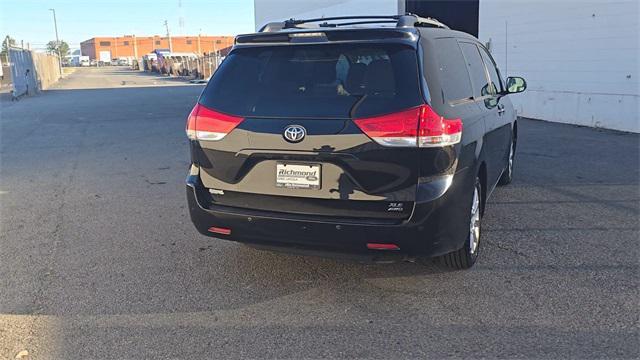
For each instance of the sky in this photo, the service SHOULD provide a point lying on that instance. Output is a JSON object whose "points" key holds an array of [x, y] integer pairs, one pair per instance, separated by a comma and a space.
{"points": [[79, 20]]}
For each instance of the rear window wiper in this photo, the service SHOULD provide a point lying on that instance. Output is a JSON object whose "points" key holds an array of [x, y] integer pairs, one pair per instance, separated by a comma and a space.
{"points": [[356, 104]]}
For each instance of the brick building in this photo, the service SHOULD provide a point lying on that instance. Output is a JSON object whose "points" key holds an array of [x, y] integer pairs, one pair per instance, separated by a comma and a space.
{"points": [[129, 45]]}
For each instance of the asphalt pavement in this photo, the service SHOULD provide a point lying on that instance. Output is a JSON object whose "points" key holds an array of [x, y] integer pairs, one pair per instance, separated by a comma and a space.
{"points": [[99, 260]]}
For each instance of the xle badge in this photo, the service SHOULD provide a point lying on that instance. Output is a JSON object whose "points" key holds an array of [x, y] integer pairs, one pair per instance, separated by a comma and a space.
{"points": [[396, 207]]}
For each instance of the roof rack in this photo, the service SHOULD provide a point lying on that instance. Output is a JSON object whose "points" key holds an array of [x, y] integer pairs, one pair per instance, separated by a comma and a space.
{"points": [[402, 21]]}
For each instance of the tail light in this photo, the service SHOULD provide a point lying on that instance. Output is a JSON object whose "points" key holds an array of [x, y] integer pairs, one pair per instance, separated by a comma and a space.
{"points": [[220, 230], [209, 125], [417, 127]]}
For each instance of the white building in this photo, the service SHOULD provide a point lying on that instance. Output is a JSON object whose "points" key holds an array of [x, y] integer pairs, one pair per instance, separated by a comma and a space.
{"points": [[581, 59]]}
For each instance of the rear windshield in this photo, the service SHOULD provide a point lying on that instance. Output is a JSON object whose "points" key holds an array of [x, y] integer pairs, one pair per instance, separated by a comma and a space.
{"points": [[321, 81]]}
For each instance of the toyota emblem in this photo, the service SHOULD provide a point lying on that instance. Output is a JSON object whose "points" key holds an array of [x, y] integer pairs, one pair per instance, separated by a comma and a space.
{"points": [[294, 133]]}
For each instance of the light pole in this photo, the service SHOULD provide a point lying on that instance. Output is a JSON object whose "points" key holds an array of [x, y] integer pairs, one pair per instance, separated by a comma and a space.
{"points": [[55, 24], [166, 25]]}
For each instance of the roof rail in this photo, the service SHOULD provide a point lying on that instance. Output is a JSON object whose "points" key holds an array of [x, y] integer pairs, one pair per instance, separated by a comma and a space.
{"points": [[412, 20], [272, 27], [402, 21]]}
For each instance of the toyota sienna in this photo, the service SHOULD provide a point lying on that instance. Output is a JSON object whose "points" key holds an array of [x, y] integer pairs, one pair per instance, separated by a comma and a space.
{"points": [[353, 135]]}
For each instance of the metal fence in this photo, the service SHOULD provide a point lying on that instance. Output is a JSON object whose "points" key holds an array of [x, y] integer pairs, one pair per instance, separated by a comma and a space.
{"points": [[32, 72], [197, 67]]}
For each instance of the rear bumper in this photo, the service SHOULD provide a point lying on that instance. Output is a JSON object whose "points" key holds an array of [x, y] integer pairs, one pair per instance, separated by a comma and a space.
{"points": [[437, 225]]}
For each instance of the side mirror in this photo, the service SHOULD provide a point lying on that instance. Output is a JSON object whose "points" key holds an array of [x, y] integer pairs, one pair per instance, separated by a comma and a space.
{"points": [[516, 84]]}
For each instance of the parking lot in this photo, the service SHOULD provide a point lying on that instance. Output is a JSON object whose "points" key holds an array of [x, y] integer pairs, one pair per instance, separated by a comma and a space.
{"points": [[98, 257]]}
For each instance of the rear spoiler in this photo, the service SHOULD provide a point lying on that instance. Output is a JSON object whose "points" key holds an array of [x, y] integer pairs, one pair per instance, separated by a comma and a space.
{"points": [[318, 36]]}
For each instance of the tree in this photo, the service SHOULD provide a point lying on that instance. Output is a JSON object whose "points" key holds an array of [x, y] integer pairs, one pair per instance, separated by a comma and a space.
{"points": [[53, 47], [8, 41]]}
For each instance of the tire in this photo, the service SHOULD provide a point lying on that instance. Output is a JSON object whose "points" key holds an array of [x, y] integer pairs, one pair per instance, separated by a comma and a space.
{"points": [[507, 174], [465, 257]]}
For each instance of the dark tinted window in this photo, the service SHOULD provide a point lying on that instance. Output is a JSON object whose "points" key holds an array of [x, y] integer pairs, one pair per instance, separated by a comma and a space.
{"points": [[476, 69], [453, 72], [105, 43], [496, 86], [332, 80]]}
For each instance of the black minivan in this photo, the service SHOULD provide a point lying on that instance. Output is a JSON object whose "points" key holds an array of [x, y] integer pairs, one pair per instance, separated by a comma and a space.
{"points": [[366, 136]]}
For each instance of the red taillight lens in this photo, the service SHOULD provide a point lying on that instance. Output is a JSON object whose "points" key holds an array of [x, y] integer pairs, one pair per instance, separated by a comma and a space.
{"points": [[209, 125], [416, 127], [397, 129], [220, 230], [437, 131], [378, 246]]}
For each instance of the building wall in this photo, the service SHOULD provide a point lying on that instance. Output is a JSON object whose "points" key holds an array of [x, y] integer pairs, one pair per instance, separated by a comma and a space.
{"points": [[123, 46], [580, 58], [457, 14], [278, 10]]}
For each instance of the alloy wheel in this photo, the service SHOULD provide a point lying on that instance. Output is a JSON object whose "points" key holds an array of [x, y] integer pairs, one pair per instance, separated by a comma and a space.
{"points": [[511, 154], [474, 226]]}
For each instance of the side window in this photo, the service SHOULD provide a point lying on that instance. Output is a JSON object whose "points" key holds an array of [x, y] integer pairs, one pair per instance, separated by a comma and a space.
{"points": [[493, 72], [453, 73], [476, 69]]}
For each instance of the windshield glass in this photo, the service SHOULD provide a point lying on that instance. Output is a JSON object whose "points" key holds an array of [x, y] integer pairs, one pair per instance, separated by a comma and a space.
{"points": [[328, 80]]}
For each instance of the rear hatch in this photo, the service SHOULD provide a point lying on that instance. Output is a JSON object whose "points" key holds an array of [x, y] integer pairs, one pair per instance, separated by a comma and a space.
{"points": [[300, 129]]}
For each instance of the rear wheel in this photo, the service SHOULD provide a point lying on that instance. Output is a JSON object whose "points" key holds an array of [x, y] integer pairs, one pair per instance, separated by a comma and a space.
{"points": [[465, 257], [507, 175]]}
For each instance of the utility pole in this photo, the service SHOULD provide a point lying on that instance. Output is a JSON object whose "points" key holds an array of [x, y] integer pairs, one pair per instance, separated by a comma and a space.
{"points": [[166, 25], [55, 25], [199, 49], [135, 48]]}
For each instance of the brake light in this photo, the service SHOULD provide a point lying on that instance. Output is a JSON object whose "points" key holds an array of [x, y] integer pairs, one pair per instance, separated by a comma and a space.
{"points": [[417, 127], [209, 125]]}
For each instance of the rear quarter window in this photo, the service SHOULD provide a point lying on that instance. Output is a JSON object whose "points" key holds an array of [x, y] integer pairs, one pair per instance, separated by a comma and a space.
{"points": [[452, 69]]}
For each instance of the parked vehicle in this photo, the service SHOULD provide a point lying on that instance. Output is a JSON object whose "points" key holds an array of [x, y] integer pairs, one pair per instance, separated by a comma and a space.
{"points": [[157, 63], [78, 60], [149, 62], [353, 137], [84, 61]]}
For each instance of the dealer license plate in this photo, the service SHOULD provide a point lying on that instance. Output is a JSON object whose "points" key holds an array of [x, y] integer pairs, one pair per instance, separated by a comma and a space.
{"points": [[298, 176]]}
